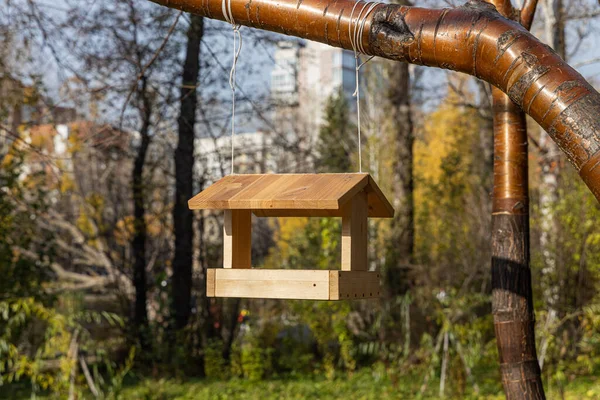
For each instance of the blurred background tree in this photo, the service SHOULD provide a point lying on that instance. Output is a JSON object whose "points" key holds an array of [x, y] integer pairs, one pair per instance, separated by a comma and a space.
{"points": [[112, 114]]}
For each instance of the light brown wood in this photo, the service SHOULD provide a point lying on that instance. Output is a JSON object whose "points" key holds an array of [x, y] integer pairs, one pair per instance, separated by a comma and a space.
{"points": [[273, 284], [354, 285], [294, 284], [354, 234], [237, 239], [266, 194], [297, 213], [210, 282], [378, 203]]}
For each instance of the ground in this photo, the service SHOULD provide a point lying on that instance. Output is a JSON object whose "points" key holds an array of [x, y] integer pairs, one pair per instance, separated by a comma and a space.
{"points": [[366, 384]]}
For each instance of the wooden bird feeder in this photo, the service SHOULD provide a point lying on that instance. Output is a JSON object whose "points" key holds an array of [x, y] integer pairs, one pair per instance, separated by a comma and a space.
{"points": [[352, 197]]}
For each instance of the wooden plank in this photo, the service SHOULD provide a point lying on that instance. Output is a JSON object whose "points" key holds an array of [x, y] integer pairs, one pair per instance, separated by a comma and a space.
{"points": [[290, 191], [237, 239], [364, 181], [294, 284], [210, 282], [298, 213], [273, 284], [379, 205], [354, 285], [334, 285], [355, 234], [217, 195]]}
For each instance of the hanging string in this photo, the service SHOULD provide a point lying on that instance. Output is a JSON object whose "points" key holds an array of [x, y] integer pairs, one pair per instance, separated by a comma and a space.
{"points": [[237, 48], [355, 33]]}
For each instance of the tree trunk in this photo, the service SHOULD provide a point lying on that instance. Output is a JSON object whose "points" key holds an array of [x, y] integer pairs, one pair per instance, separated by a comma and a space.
{"points": [[551, 162], [403, 183], [184, 176], [139, 223], [512, 296], [399, 255]]}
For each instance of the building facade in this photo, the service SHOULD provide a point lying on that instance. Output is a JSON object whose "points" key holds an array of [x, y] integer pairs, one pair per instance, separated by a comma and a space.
{"points": [[305, 75], [254, 153]]}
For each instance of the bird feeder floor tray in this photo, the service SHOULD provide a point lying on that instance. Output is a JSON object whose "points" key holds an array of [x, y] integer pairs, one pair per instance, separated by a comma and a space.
{"points": [[292, 284]]}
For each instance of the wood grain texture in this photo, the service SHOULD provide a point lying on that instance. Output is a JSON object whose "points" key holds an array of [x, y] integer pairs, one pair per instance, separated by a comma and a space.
{"points": [[301, 194], [355, 285], [210, 282], [354, 234], [292, 284], [237, 239]]}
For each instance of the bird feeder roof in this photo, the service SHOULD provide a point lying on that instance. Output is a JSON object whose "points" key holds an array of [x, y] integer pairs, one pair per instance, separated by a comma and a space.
{"points": [[291, 195]]}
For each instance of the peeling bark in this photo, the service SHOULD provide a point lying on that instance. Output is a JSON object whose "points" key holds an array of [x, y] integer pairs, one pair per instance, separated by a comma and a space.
{"points": [[512, 296]]}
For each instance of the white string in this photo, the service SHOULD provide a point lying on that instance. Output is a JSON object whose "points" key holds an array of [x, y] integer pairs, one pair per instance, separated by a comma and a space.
{"points": [[355, 33], [226, 8]]}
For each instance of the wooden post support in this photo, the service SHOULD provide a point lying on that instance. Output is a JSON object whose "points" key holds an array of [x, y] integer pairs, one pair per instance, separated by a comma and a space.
{"points": [[237, 239], [354, 234]]}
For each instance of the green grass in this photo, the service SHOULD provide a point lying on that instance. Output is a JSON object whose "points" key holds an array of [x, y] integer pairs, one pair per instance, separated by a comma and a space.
{"points": [[360, 386], [366, 384]]}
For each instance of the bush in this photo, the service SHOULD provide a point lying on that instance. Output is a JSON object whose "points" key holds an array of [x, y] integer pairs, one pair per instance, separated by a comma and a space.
{"points": [[215, 365]]}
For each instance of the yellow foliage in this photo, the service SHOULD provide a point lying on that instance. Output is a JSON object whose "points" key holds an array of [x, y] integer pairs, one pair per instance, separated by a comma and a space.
{"points": [[85, 223], [286, 230], [443, 170], [67, 184], [74, 142], [124, 230], [449, 128]]}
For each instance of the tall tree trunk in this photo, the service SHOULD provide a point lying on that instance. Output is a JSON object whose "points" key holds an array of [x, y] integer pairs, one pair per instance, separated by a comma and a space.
{"points": [[403, 183], [400, 252], [139, 222], [184, 176], [512, 296], [551, 162]]}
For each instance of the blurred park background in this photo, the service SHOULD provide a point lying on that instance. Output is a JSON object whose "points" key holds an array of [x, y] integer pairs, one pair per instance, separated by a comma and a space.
{"points": [[113, 113]]}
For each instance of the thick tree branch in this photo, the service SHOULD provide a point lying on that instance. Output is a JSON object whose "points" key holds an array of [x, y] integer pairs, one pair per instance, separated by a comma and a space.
{"points": [[473, 38]]}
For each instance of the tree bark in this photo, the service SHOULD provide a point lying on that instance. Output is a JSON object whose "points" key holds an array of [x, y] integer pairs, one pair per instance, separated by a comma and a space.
{"points": [[139, 222], [184, 175], [512, 296], [403, 184], [551, 162], [400, 252]]}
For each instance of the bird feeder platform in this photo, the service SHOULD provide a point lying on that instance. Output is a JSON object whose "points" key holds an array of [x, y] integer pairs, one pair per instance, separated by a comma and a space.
{"points": [[352, 197]]}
